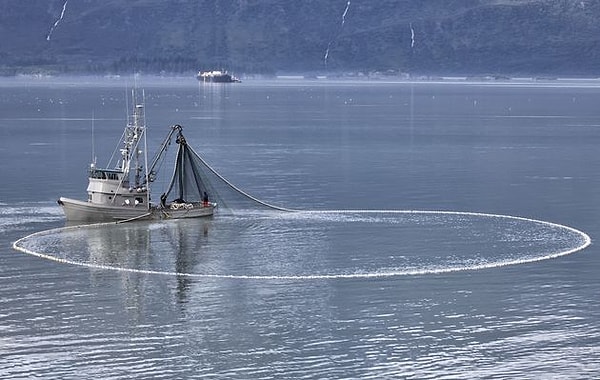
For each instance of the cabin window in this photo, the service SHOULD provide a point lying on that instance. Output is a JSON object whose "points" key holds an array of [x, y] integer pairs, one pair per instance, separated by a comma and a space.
{"points": [[100, 174]]}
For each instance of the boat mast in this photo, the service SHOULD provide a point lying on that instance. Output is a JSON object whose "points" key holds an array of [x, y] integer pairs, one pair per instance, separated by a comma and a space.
{"points": [[134, 144], [146, 183]]}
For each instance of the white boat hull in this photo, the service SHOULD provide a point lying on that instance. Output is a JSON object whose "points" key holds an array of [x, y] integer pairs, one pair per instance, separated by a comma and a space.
{"points": [[80, 211]]}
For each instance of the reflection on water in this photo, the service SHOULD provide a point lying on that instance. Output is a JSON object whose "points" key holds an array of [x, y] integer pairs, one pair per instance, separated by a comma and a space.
{"points": [[175, 246]]}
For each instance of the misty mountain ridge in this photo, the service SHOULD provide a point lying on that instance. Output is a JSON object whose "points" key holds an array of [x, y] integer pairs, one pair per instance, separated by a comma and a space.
{"points": [[505, 37]]}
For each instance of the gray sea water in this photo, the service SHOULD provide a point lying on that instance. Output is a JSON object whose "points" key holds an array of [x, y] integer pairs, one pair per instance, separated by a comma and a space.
{"points": [[435, 238]]}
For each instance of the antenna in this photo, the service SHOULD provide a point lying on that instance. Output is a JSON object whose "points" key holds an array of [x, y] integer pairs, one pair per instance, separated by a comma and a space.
{"points": [[127, 105], [93, 142]]}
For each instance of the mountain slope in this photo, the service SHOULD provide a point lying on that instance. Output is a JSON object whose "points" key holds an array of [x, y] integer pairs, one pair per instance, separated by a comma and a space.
{"points": [[264, 36]]}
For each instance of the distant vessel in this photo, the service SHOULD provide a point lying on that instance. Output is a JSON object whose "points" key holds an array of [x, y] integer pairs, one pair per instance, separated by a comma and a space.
{"points": [[216, 76], [122, 193]]}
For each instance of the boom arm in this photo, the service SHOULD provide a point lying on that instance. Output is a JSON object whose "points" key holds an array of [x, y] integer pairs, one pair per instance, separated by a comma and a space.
{"points": [[163, 147]]}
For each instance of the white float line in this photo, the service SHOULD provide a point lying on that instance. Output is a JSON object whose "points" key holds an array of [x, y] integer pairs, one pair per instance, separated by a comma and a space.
{"points": [[587, 241]]}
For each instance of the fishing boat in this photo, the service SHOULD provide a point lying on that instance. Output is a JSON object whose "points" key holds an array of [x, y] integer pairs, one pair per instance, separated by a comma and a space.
{"points": [[122, 192], [217, 76]]}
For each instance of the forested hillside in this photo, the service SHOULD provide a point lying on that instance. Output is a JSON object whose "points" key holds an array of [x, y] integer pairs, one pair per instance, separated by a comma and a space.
{"points": [[504, 37]]}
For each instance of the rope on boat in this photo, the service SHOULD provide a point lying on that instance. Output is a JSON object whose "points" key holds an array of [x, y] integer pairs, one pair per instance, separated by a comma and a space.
{"points": [[134, 218]]}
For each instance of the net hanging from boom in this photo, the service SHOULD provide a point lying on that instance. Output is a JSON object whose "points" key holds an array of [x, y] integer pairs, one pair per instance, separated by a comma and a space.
{"points": [[193, 180]]}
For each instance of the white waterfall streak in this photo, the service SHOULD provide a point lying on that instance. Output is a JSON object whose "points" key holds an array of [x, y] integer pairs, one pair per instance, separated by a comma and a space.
{"points": [[62, 14], [345, 13], [412, 36], [326, 56], [327, 52]]}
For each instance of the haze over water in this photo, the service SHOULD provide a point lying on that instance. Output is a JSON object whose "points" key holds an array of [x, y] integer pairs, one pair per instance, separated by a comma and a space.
{"points": [[520, 149]]}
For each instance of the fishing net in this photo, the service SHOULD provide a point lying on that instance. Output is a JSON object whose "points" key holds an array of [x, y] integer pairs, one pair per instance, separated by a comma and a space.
{"points": [[194, 180]]}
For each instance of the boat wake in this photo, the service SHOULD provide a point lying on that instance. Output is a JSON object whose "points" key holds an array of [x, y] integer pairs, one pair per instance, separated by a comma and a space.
{"points": [[20, 215], [310, 245]]}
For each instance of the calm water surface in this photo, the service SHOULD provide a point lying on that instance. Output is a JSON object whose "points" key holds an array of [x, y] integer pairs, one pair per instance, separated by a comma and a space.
{"points": [[526, 150]]}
